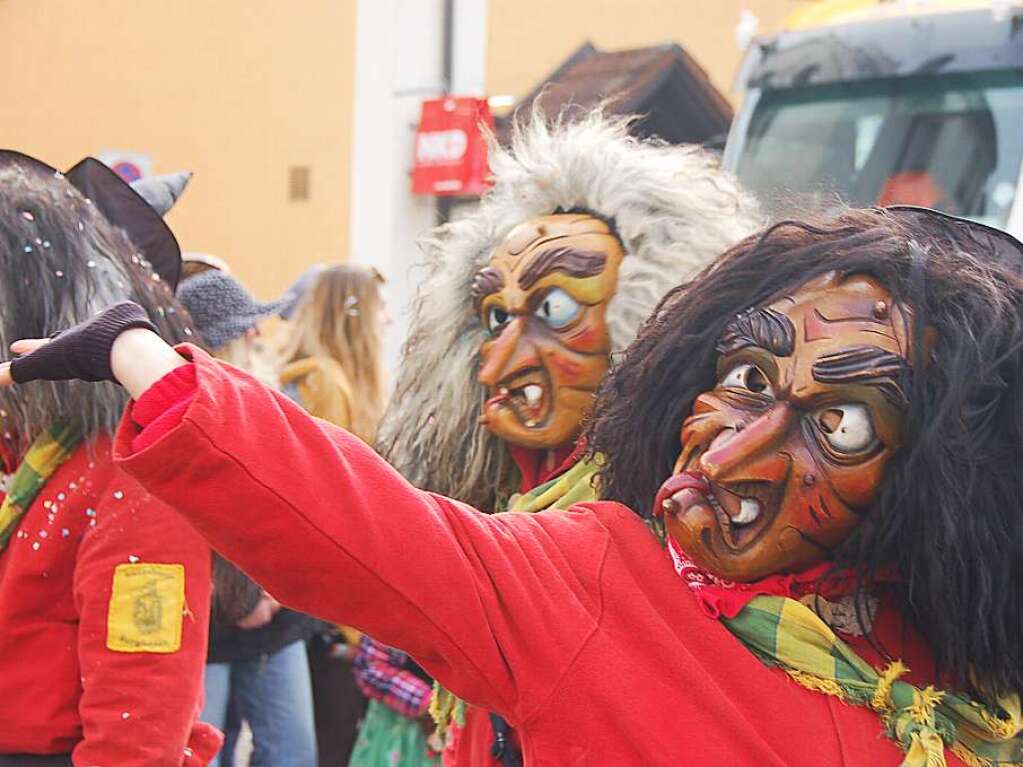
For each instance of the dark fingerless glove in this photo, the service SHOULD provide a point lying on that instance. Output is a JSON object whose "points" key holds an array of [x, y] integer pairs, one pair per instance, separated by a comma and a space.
{"points": [[82, 352]]}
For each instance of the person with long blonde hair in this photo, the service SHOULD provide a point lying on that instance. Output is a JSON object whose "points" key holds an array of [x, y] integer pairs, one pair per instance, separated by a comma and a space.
{"points": [[332, 362]]}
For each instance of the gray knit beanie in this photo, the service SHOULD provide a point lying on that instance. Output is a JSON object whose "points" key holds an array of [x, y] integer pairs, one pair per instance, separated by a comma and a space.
{"points": [[221, 307]]}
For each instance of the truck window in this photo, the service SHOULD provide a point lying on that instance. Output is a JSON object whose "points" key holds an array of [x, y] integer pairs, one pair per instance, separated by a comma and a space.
{"points": [[954, 142]]}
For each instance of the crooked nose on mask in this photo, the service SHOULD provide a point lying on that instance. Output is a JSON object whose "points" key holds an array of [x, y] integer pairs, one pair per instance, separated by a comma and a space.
{"points": [[507, 353], [750, 452]]}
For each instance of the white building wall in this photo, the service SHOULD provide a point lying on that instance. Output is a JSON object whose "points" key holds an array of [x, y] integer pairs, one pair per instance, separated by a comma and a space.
{"points": [[469, 60], [399, 63]]}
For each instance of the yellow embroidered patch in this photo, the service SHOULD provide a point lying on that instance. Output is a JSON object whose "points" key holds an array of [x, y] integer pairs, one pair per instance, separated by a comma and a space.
{"points": [[147, 602]]}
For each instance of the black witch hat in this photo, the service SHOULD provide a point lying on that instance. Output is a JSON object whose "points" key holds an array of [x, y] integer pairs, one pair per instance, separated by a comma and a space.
{"points": [[990, 243], [136, 208]]}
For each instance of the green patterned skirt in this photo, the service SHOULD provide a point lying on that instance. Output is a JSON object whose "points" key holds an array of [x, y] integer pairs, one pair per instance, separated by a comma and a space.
{"points": [[388, 739]]}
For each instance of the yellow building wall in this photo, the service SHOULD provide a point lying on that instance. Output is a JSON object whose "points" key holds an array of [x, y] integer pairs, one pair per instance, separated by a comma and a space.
{"points": [[235, 90], [528, 39]]}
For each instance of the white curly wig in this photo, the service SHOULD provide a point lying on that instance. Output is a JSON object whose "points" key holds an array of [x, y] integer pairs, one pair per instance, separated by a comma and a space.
{"points": [[674, 211]]}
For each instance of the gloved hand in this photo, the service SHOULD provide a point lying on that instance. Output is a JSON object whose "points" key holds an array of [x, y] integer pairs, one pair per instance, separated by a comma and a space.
{"points": [[82, 352]]}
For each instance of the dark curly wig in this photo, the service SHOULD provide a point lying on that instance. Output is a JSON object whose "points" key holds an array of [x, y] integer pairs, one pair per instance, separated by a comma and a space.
{"points": [[948, 515]]}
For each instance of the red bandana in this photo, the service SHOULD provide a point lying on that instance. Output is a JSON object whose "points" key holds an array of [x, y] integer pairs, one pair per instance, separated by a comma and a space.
{"points": [[720, 598]]}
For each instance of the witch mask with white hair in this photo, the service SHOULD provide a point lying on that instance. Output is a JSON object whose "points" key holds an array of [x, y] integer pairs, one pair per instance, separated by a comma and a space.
{"points": [[524, 303]]}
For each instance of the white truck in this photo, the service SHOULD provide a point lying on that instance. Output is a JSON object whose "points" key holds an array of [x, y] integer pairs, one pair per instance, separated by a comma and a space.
{"points": [[910, 101]]}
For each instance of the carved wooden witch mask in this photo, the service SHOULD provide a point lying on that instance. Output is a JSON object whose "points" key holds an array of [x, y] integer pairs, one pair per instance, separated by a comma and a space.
{"points": [[543, 300], [782, 457]]}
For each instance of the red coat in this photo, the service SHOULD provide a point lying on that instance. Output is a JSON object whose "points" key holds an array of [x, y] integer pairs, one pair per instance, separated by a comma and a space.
{"points": [[572, 625], [470, 745], [62, 688]]}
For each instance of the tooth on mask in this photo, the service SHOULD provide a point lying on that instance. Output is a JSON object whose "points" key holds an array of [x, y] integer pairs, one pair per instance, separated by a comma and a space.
{"points": [[749, 510], [532, 393]]}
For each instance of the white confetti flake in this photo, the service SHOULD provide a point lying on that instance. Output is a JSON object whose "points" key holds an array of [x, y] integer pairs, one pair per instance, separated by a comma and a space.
{"points": [[118, 494]]}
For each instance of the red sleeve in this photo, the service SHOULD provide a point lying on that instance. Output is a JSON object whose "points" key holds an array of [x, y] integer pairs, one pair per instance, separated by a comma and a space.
{"points": [[326, 526], [161, 407], [142, 649]]}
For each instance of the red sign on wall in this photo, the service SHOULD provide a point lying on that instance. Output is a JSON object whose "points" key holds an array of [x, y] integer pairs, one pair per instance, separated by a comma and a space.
{"points": [[451, 156]]}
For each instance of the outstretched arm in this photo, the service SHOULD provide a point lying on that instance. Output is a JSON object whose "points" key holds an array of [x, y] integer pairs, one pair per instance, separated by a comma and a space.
{"points": [[329, 528]]}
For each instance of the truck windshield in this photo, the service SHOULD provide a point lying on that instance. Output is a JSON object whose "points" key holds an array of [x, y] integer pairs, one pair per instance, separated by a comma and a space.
{"points": [[952, 142]]}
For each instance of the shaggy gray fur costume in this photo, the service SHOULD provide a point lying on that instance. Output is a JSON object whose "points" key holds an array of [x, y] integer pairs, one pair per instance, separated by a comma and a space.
{"points": [[674, 211], [61, 262]]}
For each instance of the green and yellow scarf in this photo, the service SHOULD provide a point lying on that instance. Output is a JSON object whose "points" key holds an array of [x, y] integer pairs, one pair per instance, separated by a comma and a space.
{"points": [[49, 451], [785, 633]]}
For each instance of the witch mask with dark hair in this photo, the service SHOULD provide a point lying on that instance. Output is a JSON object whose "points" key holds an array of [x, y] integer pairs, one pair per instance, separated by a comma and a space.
{"points": [[840, 401]]}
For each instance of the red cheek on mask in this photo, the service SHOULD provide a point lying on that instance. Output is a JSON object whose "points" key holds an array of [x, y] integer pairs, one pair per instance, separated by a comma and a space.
{"points": [[567, 370], [586, 338]]}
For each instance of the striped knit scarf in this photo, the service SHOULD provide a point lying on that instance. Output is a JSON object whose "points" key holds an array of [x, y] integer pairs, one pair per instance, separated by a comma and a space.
{"points": [[49, 451], [785, 633]]}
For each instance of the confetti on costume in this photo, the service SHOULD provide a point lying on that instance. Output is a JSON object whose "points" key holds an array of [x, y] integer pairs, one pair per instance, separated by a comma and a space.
{"points": [[93, 638]]}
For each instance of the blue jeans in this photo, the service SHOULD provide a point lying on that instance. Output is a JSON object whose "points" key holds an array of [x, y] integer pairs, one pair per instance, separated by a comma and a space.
{"points": [[275, 697]]}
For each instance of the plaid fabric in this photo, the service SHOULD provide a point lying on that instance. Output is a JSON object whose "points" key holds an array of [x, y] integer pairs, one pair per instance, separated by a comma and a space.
{"points": [[382, 674], [50, 450], [784, 632]]}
